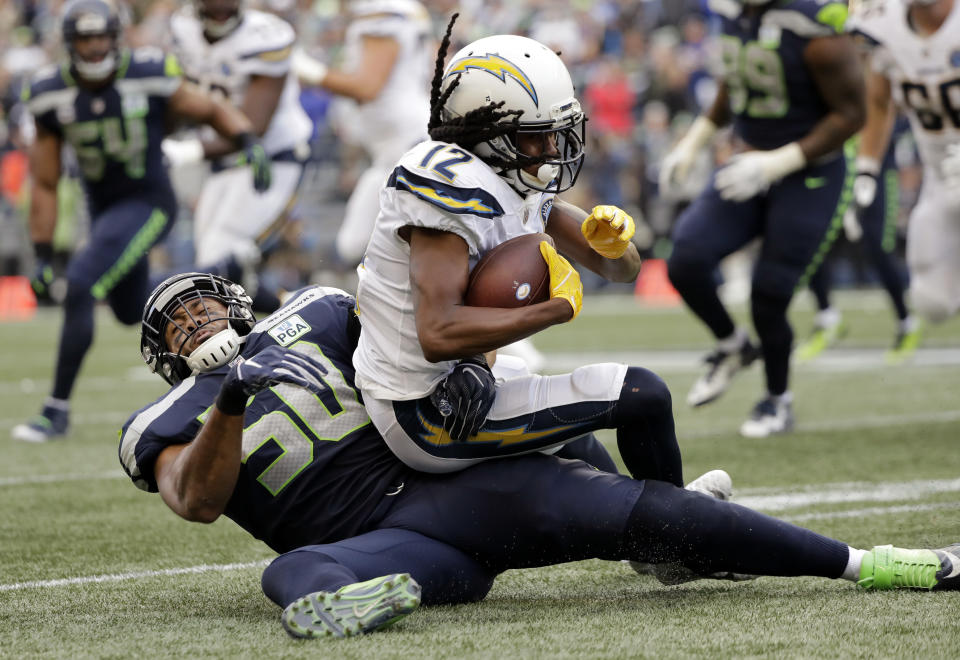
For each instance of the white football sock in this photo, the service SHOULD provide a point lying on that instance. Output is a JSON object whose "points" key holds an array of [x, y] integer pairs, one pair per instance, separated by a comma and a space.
{"points": [[852, 571]]}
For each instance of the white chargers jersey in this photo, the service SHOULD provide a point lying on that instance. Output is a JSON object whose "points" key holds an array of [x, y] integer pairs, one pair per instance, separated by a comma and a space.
{"points": [[436, 185], [260, 46], [924, 72], [403, 105]]}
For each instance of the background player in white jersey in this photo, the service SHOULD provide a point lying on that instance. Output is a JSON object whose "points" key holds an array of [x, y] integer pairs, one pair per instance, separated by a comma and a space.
{"points": [[507, 137], [388, 47], [244, 54], [915, 63]]}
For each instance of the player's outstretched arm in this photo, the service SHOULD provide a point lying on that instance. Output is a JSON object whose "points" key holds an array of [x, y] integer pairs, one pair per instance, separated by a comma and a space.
{"points": [[45, 172], [570, 228], [196, 480], [449, 330], [834, 64], [379, 57], [188, 102]]}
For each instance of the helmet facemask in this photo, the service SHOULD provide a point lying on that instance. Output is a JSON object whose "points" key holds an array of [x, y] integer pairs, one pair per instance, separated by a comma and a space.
{"points": [[220, 20], [499, 90], [86, 19], [181, 292]]}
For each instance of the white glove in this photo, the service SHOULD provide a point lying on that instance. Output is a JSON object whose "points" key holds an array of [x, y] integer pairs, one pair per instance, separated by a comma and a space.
{"points": [[864, 193], [182, 152], [751, 173], [950, 166], [307, 69], [678, 161]]}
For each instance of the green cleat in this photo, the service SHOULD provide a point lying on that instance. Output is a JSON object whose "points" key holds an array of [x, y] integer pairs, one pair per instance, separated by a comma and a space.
{"points": [[905, 345], [820, 340], [887, 567], [354, 609]]}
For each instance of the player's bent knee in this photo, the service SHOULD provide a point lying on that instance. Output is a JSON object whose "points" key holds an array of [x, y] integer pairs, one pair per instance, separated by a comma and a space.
{"points": [[646, 391]]}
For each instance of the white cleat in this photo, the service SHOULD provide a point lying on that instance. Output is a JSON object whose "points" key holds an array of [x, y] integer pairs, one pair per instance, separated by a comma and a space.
{"points": [[721, 367], [715, 483], [768, 418]]}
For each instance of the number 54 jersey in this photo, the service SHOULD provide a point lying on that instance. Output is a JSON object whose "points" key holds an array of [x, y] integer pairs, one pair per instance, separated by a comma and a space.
{"points": [[773, 97], [924, 73], [303, 452], [115, 130]]}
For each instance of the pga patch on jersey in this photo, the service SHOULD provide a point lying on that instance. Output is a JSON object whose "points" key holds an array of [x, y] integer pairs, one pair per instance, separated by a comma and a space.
{"points": [[289, 330]]}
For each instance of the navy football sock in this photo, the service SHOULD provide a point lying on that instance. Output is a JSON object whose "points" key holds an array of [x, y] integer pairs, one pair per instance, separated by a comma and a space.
{"points": [[706, 535], [646, 436], [76, 336], [820, 286], [776, 338], [298, 573]]}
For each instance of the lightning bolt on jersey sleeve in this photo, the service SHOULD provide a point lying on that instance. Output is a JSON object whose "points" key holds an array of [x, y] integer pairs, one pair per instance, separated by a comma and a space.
{"points": [[260, 46], [300, 449], [439, 186]]}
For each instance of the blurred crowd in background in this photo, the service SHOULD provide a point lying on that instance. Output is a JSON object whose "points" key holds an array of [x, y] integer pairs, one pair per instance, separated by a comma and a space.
{"points": [[642, 69]]}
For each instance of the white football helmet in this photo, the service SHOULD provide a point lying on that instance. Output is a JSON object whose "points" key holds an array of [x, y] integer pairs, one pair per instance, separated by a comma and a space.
{"points": [[219, 17], [527, 77]]}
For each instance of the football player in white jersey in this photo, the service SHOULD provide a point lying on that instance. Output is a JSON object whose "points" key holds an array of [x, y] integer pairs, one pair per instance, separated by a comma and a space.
{"points": [[386, 74], [507, 136], [245, 55], [915, 64]]}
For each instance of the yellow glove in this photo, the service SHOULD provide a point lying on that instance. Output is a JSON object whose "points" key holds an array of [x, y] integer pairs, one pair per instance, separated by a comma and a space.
{"points": [[564, 280], [608, 230]]}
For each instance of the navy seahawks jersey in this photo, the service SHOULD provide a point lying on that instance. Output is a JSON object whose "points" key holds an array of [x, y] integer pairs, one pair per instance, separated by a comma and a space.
{"points": [[115, 130], [314, 468], [772, 95]]}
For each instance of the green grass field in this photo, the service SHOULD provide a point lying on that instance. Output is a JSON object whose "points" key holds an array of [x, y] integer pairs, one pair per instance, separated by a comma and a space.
{"points": [[93, 567]]}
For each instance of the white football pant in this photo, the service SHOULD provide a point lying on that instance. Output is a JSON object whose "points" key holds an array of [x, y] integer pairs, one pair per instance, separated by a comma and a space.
{"points": [[933, 251], [231, 217]]}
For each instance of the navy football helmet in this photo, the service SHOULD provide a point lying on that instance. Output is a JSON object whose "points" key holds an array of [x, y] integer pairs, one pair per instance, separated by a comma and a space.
{"points": [[216, 350], [92, 18]]}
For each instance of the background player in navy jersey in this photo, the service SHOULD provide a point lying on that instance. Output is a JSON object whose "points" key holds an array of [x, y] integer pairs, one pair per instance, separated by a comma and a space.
{"points": [[871, 221], [113, 107], [264, 424], [793, 86]]}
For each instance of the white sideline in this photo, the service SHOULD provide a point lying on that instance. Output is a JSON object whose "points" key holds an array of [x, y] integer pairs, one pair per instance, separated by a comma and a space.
{"points": [[136, 575]]}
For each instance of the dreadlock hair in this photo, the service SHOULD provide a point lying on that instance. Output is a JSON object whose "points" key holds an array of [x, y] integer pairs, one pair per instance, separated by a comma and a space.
{"points": [[477, 125]]}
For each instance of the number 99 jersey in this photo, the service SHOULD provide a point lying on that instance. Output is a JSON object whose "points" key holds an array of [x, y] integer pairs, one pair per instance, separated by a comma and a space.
{"points": [[924, 73], [300, 450], [773, 97]]}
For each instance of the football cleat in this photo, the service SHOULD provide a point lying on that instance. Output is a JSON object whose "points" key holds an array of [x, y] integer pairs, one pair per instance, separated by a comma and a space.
{"points": [[721, 367], [51, 424], [887, 567], [354, 609], [905, 345], [822, 338], [768, 418], [715, 483]]}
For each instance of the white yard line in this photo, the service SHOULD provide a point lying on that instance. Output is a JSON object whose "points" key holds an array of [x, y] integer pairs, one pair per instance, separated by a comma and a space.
{"points": [[764, 499], [136, 575]]}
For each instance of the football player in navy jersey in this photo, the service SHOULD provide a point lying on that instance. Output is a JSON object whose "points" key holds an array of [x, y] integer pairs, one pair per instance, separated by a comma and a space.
{"points": [[113, 106], [794, 89], [263, 424]]}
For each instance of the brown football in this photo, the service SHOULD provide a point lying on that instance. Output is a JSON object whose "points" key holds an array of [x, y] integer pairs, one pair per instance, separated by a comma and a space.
{"points": [[513, 274]]}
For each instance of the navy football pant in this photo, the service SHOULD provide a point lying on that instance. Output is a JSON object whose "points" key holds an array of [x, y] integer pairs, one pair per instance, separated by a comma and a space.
{"points": [[455, 532], [879, 240], [113, 267], [798, 219]]}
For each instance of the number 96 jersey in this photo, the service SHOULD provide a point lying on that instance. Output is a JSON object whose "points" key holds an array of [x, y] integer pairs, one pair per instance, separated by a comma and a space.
{"points": [[772, 94], [924, 73]]}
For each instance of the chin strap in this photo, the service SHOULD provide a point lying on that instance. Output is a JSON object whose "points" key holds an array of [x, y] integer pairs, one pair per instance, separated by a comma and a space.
{"points": [[96, 71], [215, 351]]}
